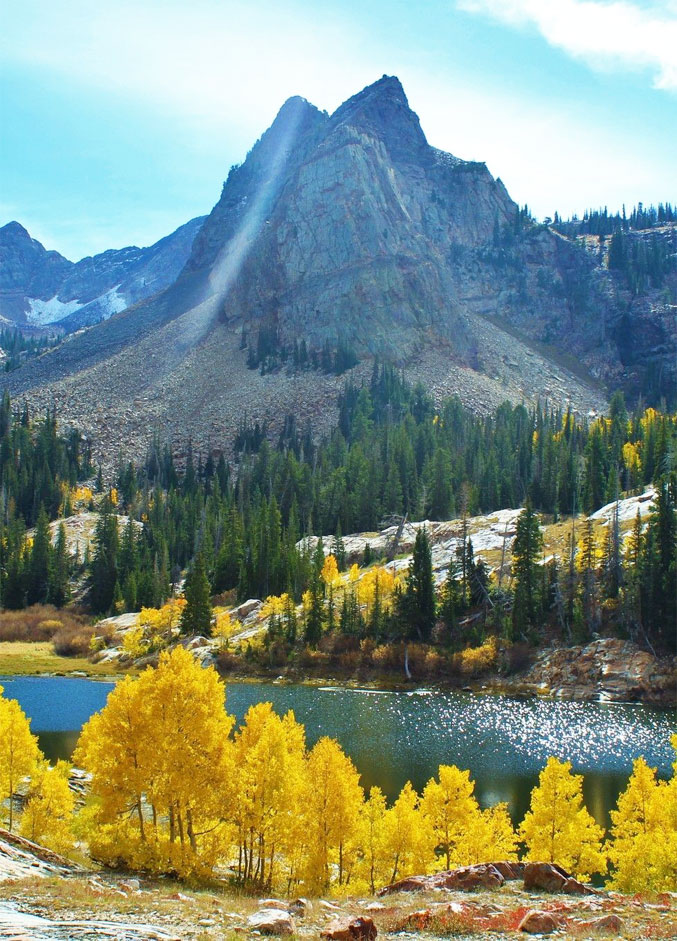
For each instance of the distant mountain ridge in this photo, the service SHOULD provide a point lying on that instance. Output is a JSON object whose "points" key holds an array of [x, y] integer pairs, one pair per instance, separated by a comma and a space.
{"points": [[42, 288], [349, 230]]}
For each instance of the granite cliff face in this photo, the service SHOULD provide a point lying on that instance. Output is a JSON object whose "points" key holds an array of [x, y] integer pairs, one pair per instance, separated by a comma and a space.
{"points": [[350, 229], [42, 288]]}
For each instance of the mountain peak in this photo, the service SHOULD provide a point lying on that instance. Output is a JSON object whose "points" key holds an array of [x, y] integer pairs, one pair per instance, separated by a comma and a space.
{"points": [[14, 230], [382, 109]]}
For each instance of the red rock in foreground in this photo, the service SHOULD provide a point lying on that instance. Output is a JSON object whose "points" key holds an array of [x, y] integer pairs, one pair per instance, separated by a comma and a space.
{"points": [[538, 923], [552, 878], [350, 929], [466, 878]]}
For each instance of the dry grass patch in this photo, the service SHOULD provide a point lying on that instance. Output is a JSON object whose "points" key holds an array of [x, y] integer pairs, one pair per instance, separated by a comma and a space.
{"points": [[20, 658], [40, 622]]}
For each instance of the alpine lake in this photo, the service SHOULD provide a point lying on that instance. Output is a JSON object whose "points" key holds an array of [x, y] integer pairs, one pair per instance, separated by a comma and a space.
{"points": [[395, 736]]}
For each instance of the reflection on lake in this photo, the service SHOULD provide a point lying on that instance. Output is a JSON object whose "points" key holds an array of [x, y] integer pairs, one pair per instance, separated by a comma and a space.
{"points": [[395, 736]]}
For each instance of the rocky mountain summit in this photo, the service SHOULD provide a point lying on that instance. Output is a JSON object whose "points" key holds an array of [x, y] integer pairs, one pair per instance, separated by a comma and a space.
{"points": [[40, 288], [344, 237]]}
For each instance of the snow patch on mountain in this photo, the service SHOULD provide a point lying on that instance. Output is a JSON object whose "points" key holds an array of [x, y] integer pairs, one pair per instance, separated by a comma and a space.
{"points": [[112, 302], [43, 312]]}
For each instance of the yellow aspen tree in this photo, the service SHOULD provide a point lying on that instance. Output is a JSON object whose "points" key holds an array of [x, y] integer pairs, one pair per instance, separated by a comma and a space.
{"points": [[135, 643], [373, 865], [195, 768], [643, 846], [489, 836], [161, 760], [116, 746], [268, 754], [223, 627], [19, 752], [558, 828], [449, 806], [48, 816], [291, 839], [330, 573], [333, 800], [409, 840]]}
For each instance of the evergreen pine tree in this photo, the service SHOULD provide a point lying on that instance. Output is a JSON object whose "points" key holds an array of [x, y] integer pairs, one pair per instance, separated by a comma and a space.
{"points": [[419, 595], [526, 551], [197, 615], [37, 587], [59, 586]]}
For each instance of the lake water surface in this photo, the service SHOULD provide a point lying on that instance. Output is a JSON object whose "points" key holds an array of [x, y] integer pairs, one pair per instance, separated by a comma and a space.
{"points": [[395, 736]]}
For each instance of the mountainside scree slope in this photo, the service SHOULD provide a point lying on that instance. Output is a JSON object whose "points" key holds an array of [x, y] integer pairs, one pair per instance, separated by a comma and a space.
{"points": [[349, 231]]}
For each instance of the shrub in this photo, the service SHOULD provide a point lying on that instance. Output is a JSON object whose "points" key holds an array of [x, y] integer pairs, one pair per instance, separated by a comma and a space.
{"points": [[227, 661], [39, 623], [73, 640], [313, 659], [477, 660], [518, 658], [349, 660]]}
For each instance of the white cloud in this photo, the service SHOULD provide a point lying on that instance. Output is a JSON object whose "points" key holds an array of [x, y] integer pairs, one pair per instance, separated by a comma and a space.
{"points": [[221, 68], [601, 32], [553, 157]]}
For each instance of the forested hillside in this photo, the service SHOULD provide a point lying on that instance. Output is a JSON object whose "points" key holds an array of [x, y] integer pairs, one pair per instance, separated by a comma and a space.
{"points": [[392, 455]]}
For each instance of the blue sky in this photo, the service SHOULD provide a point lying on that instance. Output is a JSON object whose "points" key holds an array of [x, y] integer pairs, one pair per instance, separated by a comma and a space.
{"points": [[120, 120]]}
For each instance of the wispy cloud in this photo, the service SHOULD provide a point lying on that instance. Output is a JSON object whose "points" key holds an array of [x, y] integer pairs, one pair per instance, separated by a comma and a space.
{"points": [[214, 65], [603, 33]]}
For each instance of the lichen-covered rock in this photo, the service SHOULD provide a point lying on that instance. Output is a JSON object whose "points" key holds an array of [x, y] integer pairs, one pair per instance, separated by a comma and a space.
{"points": [[546, 876], [607, 924], [361, 928], [275, 921], [465, 879], [536, 922]]}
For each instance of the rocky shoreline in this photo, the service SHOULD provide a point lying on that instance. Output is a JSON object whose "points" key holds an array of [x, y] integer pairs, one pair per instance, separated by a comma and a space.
{"points": [[42, 895], [606, 670]]}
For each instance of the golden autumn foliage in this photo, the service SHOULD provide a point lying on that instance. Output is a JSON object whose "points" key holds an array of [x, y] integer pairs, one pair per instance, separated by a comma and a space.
{"points": [[558, 828], [48, 816], [333, 798], [161, 760], [174, 790], [643, 846], [269, 781], [82, 495], [224, 627], [19, 754], [380, 582], [162, 621], [135, 643], [475, 660], [330, 573]]}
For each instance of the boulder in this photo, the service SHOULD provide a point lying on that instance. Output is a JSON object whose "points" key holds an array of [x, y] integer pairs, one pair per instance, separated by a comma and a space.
{"points": [[535, 922], [412, 884], [300, 907], [574, 887], [273, 903], [467, 878], [350, 929], [464, 879], [546, 876], [271, 921], [242, 610], [607, 923], [510, 871]]}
